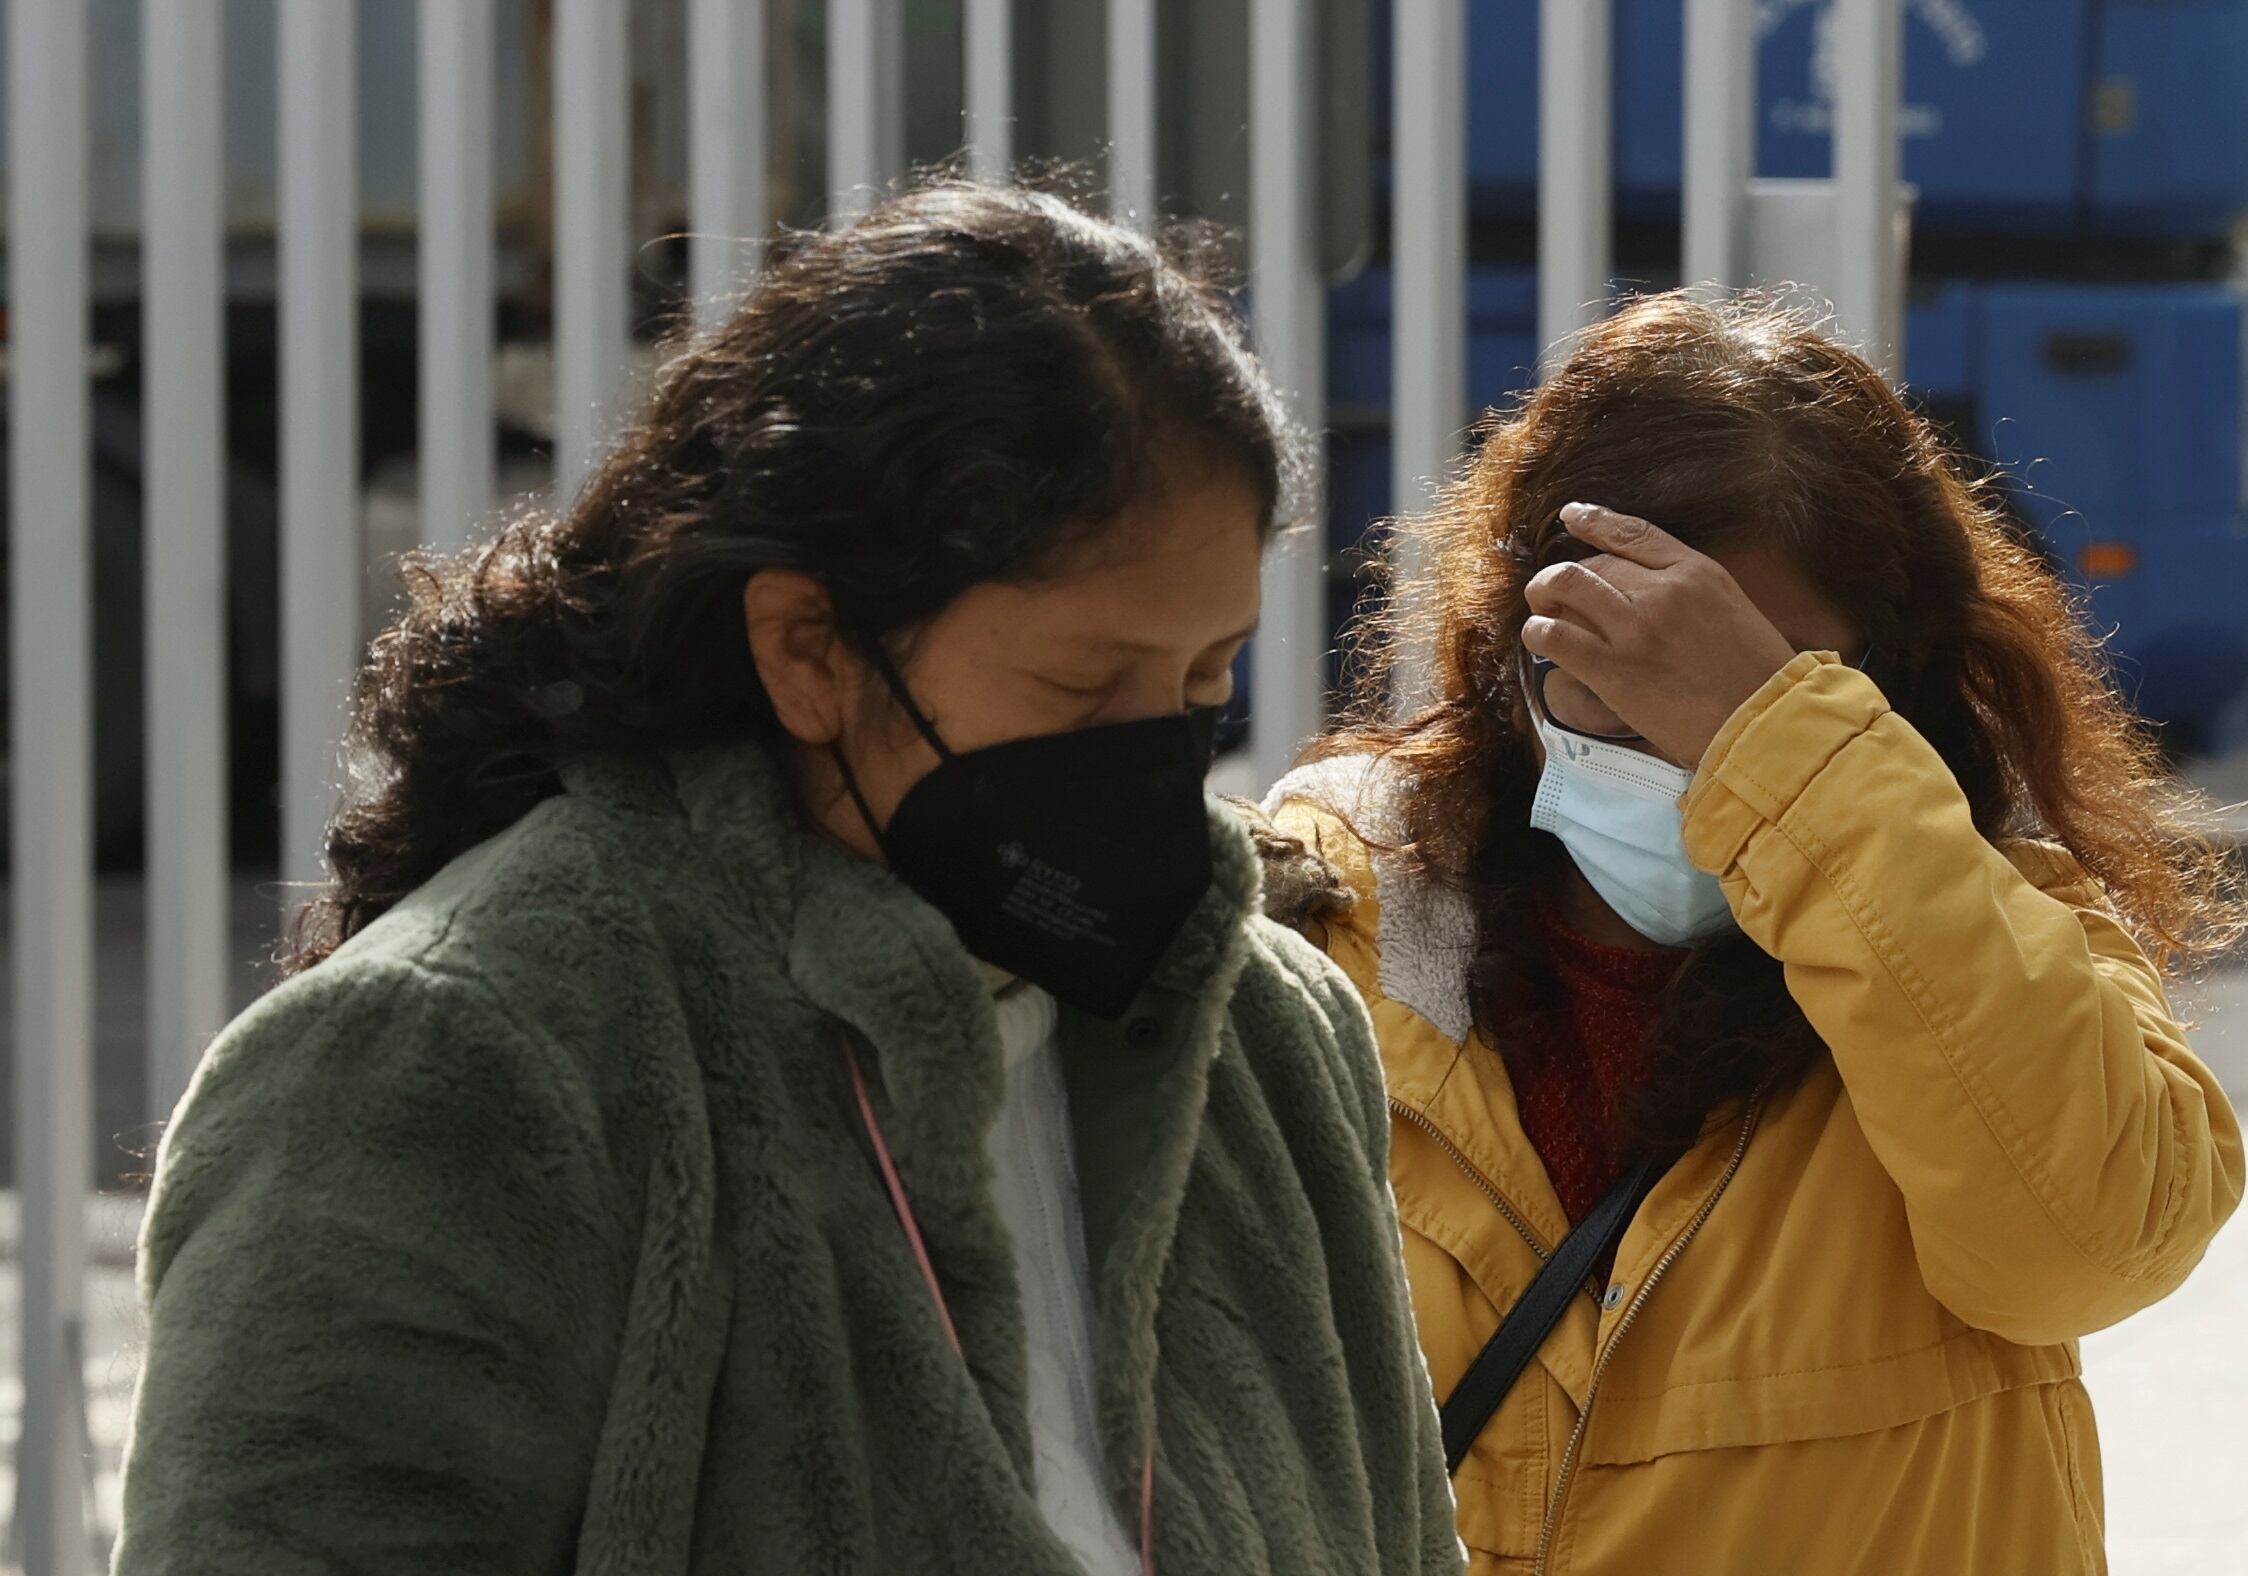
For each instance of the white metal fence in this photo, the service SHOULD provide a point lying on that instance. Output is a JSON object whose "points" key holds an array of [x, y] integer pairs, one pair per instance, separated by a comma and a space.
{"points": [[48, 155]]}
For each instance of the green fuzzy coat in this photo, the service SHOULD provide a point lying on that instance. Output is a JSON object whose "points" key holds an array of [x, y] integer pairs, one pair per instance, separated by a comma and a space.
{"points": [[537, 1231]]}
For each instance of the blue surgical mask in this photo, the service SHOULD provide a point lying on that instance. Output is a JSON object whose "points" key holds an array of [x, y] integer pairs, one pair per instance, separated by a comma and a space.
{"points": [[1616, 810]]}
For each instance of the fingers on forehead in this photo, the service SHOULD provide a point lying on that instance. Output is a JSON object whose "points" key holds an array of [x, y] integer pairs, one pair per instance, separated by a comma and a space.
{"points": [[1626, 534]]}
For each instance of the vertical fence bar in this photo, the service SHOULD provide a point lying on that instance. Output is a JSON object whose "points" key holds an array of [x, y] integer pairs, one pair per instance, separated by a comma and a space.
{"points": [[459, 50], [183, 202], [990, 50], [1573, 176], [1868, 53], [1288, 296], [728, 157], [1430, 225], [865, 120], [320, 558], [1720, 141], [592, 227], [52, 755], [1131, 111]]}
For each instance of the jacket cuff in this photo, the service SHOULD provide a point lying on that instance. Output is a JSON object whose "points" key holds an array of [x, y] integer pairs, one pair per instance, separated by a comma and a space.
{"points": [[1769, 751]]}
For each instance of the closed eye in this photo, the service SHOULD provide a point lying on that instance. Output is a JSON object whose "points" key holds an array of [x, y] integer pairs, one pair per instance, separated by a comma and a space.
{"points": [[1078, 691], [1211, 689]]}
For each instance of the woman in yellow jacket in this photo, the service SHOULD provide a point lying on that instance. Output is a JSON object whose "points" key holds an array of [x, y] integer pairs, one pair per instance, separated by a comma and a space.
{"points": [[1769, 814]]}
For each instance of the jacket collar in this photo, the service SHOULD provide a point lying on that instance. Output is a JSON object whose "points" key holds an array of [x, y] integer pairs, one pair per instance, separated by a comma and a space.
{"points": [[870, 954]]}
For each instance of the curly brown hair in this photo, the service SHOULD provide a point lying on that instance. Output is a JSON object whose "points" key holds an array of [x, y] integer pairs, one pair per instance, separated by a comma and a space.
{"points": [[962, 387], [1730, 424]]}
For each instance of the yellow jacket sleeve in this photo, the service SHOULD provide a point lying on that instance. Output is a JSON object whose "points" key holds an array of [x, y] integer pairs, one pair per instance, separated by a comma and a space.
{"points": [[2008, 1050]]}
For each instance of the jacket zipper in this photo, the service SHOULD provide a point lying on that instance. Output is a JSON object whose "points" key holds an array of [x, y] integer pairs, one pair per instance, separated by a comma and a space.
{"points": [[1489, 1189], [1623, 1326]]}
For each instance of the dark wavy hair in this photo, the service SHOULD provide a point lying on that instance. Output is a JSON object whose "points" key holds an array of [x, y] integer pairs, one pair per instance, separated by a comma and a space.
{"points": [[962, 387], [1742, 424]]}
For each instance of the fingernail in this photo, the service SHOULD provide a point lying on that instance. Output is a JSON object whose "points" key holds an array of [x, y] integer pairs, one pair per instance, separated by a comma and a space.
{"points": [[1573, 512]]}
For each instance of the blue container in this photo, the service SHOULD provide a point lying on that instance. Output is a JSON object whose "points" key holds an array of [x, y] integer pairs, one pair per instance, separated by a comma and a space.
{"points": [[1993, 105], [2168, 119], [1993, 118], [1502, 311], [2174, 624], [2112, 397], [1943, 329], [1357, 485], [1502, 112], [1501, 360], [2030, 115]]}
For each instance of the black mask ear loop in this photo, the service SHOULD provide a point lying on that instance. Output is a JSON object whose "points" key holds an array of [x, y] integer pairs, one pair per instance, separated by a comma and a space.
{"points": [[851, 787], [895, 682]]}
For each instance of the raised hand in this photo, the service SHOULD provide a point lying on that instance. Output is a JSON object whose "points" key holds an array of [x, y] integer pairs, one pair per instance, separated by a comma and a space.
{"points": [[1661, 633]]}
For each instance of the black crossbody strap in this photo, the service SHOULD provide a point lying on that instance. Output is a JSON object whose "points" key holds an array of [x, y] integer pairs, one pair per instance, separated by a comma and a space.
{"points": [[1539, 1309]]}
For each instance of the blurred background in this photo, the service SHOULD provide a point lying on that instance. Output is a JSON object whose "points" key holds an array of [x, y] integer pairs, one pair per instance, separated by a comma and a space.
{"points": [[294, 287]]}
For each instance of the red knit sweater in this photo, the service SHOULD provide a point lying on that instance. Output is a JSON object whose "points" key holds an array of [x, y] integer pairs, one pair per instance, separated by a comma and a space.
{"points": [[1574, 1079]]}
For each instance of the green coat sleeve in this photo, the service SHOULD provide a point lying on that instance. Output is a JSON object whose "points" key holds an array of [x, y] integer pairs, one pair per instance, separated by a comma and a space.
{"points": [[1438, 1551], [384, 1272]]}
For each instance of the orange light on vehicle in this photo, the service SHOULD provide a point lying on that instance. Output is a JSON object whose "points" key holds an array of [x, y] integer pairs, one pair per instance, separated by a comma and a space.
{"points": [[2108, 560]]}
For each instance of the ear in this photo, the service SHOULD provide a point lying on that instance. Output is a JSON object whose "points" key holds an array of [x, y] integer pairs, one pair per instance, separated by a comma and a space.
{"points": [[802, 659]]}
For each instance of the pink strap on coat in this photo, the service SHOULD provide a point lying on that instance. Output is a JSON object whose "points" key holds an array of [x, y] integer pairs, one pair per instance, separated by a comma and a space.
{"points": [[898, 1199], [898, 1202]]}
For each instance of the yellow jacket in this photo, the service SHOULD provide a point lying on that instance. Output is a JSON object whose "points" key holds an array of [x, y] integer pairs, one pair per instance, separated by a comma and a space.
{"points": [[1842, 1331]]}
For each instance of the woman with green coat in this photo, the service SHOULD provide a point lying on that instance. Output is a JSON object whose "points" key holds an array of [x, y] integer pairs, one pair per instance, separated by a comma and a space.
{"points": [[788, 1075]]}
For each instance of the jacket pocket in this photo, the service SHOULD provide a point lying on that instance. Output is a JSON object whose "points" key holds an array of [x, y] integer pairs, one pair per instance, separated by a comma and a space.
{"points": [[1818, 1403], [1500, 1488], [2068, 1413]]}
